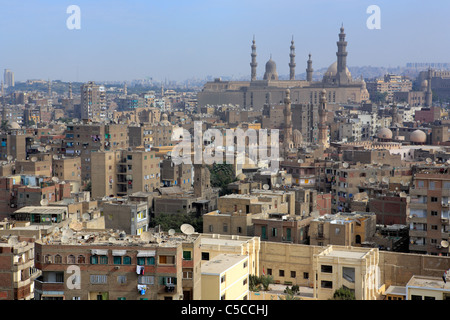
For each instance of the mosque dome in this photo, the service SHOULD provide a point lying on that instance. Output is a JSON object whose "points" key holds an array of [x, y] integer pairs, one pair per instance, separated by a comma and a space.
{"points": [[271, 70], [332, 71], [165, 120], [384, 133], [418, 136], [297, 137], [424, 85]]}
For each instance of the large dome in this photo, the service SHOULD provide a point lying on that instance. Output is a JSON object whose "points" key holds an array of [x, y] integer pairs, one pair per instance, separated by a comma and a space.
{"points": [[418, 136], [332, 71], [271, 70], [14, 125], [384, 133]]}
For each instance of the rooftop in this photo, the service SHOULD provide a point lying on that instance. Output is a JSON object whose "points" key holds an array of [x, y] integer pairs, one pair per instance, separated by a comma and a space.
{"points": [[428, 282], [221, 263]]}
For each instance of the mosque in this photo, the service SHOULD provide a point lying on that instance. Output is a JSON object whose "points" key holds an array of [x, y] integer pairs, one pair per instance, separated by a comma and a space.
{"points": [[337, 82]]}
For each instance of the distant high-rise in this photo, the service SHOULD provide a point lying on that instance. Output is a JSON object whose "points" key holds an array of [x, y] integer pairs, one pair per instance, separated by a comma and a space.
{"points": [[8, 78], [93, 102]]}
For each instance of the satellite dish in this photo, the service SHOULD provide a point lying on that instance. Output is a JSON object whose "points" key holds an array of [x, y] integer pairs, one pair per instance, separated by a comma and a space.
{"points": [[13, 240], [44, 202], [448, 161], [64, 239], [48, 148], [372, 180], [403, 194], [86, 216], [345, 165], [187, 229], [300, 161], [67, 233], [55, 157], [385, 179], [10, 157], [34, 159], [277, 185], [146, 236], [444, 244], [55, 179], [41, 149], [112, 239], [428, 160], [171, 232], [266, 187]]}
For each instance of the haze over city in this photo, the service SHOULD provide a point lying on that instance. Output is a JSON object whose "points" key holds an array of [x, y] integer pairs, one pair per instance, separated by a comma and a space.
{"points": [[177, 40]]}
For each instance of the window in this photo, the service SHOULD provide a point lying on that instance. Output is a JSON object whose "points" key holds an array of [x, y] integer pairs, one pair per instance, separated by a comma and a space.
{"points": [[434, 199], [188, 274], [245, 264], [121, 298], [150, 260], [281, 273], [414, 297], [127, 260], [166, 259], [225, 227], [434, 213], [293, 274], [103, 259], [222, 279], [146, 279], [187, 255], [434, 227], [326, 284], [58, 259], [269, 272], [274, 232], [420, 184], [244, 282], [81, 259], [222, 297], [98, 279], [326, 269], [429, 298], [94, 259], [239, 230], [205, 255], [117, 260], [305, 275], [71, 259], [121, 279]]}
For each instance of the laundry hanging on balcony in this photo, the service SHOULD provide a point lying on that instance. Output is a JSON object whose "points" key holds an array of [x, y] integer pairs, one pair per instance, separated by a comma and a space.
{"points": [[140, 269], [142, 289]]}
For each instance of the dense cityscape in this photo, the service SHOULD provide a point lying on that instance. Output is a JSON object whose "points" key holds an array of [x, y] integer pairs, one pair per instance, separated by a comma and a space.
{"points": [[322, 184]]}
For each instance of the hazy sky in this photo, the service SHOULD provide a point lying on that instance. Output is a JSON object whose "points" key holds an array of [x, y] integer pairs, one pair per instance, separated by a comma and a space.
{"points": [[180, 39]]}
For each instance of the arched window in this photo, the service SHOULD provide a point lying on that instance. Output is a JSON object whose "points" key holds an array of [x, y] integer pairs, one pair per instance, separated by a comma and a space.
{"points": [[81, 259], [358, 238], [48, 259], [58, 259], [71, 259]]}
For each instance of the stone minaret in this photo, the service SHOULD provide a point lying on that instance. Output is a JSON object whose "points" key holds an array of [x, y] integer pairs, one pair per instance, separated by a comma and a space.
{"points": [[292, 61], [125, 90], [253, 64], [70, 91], [2, 89], [428, 93], [287, 139], [201, 180], [323, 129], [49, 88], [309, 69], [342, 58]]}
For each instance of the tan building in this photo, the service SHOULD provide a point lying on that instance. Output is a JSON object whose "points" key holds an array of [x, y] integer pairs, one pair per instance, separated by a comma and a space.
{"points": [[225, 277], [82, 139], [151, 135], [17, 269], [13, 145], [131, 217], [40, 165], [427, 288], [67, 169], [93, 102], [124, 172], [354, 268]]}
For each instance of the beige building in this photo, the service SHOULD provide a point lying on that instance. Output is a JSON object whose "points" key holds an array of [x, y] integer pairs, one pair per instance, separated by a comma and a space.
{"points": [[354, 268], [225, 277], [131, 217], [124, 172], [427, 288], [67, 169], [93, 102], [151, 135]]}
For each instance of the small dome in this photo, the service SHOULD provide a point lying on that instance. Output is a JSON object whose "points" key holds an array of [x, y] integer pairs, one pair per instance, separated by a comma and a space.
{"points": [[271, 70], [164, 120], [332, 71], [14, 125], [241, 176], [384, 133], [418, 136], [297, 137]]}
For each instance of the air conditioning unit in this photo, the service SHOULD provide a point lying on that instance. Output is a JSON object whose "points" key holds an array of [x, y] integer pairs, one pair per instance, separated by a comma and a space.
{"points": [[116, 267]]}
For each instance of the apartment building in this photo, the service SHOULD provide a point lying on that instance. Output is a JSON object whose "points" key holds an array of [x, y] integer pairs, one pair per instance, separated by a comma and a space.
{"points": [[111, 266], [353, 268], [225, 277], [13, 145], [176, 174], [429, 209], [93, 102], [151, 135], [17, 269], [67, 169], [82, 139], [124, 172], [130, 216]]}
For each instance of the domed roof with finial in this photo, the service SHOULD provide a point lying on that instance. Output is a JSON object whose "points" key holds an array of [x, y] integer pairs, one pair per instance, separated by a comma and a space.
{"points": [[418, 136], [271, 70], [165, 119], [384, 133]]}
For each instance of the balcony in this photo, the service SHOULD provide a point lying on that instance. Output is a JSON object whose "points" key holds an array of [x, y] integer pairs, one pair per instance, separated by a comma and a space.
{"points": [[417, 247], [417, 233], [167, 288]]}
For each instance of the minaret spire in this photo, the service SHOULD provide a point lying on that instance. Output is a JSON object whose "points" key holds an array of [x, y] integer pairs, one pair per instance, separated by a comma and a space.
{"points": [[342, 58], [323, 129], [428, 93], [287, 139], [253, 64], [292, 61], [70, 91], [309, 69]]}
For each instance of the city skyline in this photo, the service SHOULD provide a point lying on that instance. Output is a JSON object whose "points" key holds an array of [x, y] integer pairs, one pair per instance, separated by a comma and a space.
{"points": [[121, 40]]}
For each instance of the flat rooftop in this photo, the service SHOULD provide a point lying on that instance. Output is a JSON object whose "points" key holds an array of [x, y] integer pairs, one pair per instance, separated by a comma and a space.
{"points": [[221, 263], [429, 282], [396, 290]]}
